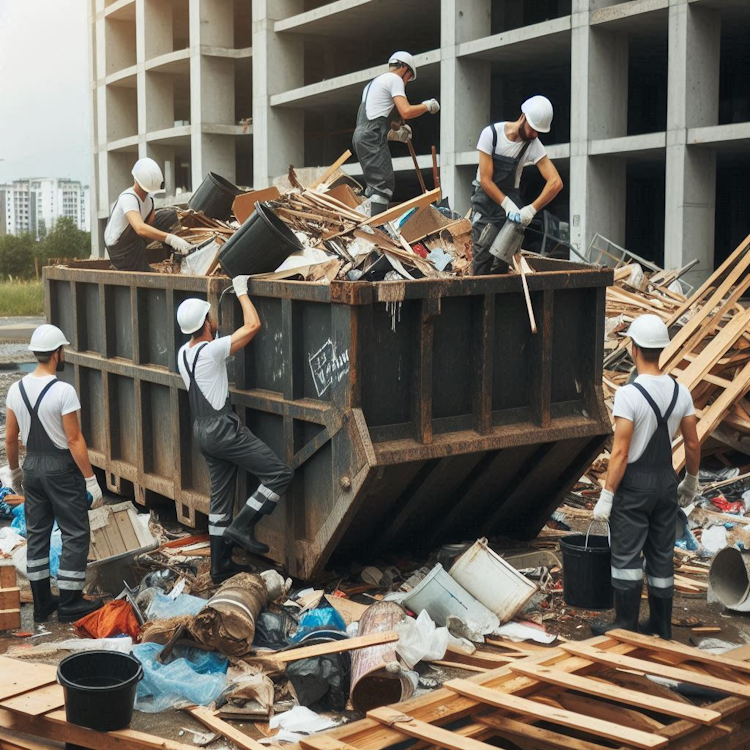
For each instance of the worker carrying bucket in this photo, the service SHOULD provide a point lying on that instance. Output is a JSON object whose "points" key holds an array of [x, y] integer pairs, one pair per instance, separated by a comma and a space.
{"points": [[504, 149], [373, 129], [640, 498], [221, 437]]}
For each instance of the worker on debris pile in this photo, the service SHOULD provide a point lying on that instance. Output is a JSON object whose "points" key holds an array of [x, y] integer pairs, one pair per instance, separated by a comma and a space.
{"points": [[504, 149], [134, 222], [642, 491], [374, 128], [222, 439], [56, 477]]}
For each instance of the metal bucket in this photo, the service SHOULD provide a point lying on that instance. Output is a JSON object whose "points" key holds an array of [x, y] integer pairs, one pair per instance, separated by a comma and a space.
{"points": [[729, 579]]}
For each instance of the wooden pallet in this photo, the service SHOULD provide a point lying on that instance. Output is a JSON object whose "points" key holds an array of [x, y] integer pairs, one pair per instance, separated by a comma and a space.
{"points": [[591, 695], [32, 703]]}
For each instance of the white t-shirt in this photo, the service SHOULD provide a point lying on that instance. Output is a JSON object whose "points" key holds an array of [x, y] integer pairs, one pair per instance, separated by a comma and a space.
{"points": [[380, 92], [505, 147], [118, 222], [211, 370], [61, 399], [631, 404]]}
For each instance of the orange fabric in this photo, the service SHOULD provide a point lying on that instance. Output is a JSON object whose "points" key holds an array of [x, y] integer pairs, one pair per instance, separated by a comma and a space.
{"points": [[114, 618]]}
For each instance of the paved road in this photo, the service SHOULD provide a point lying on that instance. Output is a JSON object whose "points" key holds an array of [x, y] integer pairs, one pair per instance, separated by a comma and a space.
{"points": [[18, 329]]}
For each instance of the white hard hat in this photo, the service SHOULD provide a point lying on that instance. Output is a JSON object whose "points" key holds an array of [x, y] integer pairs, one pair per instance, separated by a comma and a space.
{"points": [[147, 174], [538, 111], [191, 314], [649, 332], [405, 59], [47, 338]]}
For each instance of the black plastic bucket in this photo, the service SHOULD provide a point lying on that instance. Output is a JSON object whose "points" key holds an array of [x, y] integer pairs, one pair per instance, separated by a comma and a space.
{"points": [[214, 197], [99, 688], [587, 571], [260, 245]]}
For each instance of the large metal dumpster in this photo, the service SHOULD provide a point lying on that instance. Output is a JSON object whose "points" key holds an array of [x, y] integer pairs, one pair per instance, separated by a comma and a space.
{"points": [[413, 413]]}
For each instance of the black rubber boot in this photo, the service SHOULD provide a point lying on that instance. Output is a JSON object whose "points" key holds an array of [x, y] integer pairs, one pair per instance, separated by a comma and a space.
{"points": [[627, 606], [242, 531], [222, 565], [44, 603], [659, 622], [73, 606]]}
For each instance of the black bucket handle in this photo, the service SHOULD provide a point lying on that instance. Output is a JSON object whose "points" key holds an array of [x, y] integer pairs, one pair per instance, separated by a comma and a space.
{"points": [[609, 536]]}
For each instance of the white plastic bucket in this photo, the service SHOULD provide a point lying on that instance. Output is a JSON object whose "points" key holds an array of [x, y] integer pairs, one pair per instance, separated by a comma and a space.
{"points": [[492, 581], [442, 597]]}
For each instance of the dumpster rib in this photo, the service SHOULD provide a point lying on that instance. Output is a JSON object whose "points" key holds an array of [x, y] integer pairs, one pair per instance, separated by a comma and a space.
{"points": [[484, 340]]}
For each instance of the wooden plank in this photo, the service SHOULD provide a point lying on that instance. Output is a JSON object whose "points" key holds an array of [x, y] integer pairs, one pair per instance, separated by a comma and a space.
{"points": [[570, 719], [331, 170], [10, 619], [124, 522], [393, 213], [335, 647], [422, 731], [324, 742], [543, 738], [35, 702], [208, 718], [20, 677], [608, 691], [518, 265], [662, 670], [10, 741], [672, 647], [243, 206]]}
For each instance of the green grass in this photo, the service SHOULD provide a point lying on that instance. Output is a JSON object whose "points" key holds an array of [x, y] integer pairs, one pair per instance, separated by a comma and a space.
{"points": [[21, 298]]}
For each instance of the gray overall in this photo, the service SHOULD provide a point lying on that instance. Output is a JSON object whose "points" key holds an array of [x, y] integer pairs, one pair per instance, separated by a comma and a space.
{"points": [[644, 513], [370, 142], [129, 252], [227, 444], [55, 489], [488, 217]]}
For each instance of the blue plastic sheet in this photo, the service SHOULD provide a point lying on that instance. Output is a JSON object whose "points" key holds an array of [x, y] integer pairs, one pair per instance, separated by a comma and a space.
{"points": [[163, 606], [166, 685], [55, 545], [325, 618], [19, 520], [6, 511]]}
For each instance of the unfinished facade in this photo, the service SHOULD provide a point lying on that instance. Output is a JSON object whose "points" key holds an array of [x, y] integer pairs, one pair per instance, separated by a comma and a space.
{"points": [[652, 101]]}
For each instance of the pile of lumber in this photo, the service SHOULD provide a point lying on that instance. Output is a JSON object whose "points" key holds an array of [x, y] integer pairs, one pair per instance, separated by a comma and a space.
{"points": [[709, 352]]}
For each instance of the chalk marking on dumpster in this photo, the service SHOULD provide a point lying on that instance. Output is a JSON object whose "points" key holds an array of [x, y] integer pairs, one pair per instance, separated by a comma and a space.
{"points": [[327, 366]]}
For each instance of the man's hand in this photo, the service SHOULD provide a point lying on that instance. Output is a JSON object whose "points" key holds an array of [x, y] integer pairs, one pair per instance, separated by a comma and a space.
{"points": [[433, 106], [509, 207], [240, 285], [603, 507], [402, 134], [525, 215], [688, 490], [178, 244], [93, 488], [16, 479]]}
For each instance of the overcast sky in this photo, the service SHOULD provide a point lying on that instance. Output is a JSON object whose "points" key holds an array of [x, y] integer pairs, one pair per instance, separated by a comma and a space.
{"points": [[44, 90]]}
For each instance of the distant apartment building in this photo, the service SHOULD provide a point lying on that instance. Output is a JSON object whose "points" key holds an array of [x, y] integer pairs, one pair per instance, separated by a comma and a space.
{"points": [[34, 205]]}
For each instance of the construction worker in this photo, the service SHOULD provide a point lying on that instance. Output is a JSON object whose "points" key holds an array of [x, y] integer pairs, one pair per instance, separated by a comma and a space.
{"points": [[371, 135], [134, 222], [504, 149], [56, 477], [642, 491], [222, 439]]}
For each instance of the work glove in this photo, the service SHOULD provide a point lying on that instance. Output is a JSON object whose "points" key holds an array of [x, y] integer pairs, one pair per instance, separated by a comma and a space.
{"points": [[509, 207], [603, 507], [433, 106], [178, 244], [16, 479], [240, 285], [688, 490], [93, 488], [524, 216], [403, 134]]}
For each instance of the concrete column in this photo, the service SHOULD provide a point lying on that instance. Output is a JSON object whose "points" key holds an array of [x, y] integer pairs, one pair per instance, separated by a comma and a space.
{"points": [[278, 66], [197, 168], [141, 19], [693, 101]]}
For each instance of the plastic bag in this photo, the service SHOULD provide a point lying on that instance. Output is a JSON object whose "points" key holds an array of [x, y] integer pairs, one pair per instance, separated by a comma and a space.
{"points": [[272, 630], [168, 685], [421, 640], [162, 606], [322, 681], [19, 520], [324, 618]]}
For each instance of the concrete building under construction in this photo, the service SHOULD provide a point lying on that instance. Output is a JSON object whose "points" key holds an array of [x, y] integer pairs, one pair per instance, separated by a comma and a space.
{"points": [[652, 101]]}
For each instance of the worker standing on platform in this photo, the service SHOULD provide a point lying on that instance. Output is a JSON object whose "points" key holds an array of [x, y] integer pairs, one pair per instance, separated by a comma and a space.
{"points": [[56, 477], [373, 129], [504, 149], [222, 439], [642, 491], [134, 221]]}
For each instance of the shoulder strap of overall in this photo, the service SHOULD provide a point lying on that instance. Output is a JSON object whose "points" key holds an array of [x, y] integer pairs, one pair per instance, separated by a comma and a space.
{"points": [[673, 403], [524, 150], [651, 403], [494, 138], [191, 371], [25, 397], [367, 91]]}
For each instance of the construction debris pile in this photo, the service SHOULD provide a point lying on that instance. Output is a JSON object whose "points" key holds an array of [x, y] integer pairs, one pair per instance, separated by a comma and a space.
{"points": [[318, 234]]}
